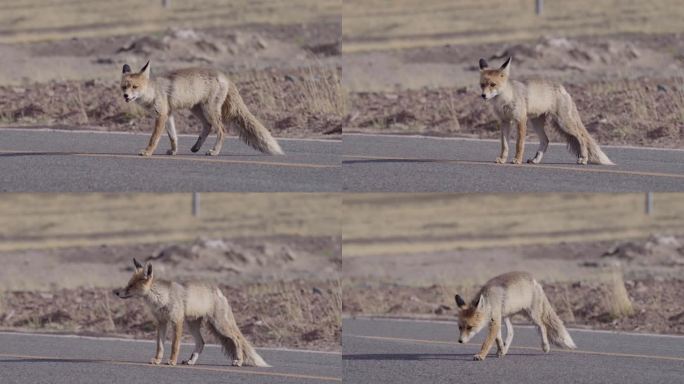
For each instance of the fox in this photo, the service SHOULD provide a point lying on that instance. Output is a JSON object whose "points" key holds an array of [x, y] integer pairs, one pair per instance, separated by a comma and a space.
{"points": [[209, 95], [539, 102], [502, 297], [194, 303]]}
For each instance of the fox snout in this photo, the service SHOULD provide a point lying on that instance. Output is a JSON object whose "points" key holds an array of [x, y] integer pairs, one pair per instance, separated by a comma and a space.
{"points": [[484, 96], [120, 293], [460, 341], [126, 97]]}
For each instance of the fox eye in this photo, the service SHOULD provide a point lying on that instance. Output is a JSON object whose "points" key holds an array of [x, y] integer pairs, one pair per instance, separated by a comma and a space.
{"points": [[460, 327], [469, 327], [492, 84], [135, 87]]}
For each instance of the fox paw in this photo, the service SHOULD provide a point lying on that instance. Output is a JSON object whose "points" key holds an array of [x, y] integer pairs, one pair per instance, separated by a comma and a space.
{"points": [[500, 160], [212, 152], [500, 353], [582, 160], [171, 152], [145, 153], [171, 362], [516, 161], [478, 357], [545, 348], [237, 363], [187, 362], [195, 148], [533, 160], [155, 361]]}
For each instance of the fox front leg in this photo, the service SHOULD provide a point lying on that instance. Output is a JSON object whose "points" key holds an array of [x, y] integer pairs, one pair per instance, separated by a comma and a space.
{"points": [[154, 139], [175, 345], [161, 335], [505, 128], [520, 143], [494, 328]]}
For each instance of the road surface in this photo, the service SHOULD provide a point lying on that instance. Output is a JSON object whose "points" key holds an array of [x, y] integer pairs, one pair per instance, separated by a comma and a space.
{"points": [[374, 163], [407, 351], [35, 359], [65, 161]]}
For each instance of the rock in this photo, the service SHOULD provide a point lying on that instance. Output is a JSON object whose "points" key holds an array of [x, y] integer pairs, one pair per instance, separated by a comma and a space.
{"points": [[316, 291]]}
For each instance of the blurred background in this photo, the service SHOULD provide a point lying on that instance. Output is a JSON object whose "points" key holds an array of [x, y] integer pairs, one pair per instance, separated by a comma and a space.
{"points": [[412, 66], [60, 61], [606, 261], [276, 256]]}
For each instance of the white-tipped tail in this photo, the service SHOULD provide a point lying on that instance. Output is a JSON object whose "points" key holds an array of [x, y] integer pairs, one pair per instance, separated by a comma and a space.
{"points": [[250, 130], [596, 155], [555, 329]]}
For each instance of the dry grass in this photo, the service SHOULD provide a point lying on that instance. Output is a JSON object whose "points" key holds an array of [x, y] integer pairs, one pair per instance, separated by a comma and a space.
{"points": [[318, 91], [391, 224], [34, 221], [41, 20], [617, 301], [382, 24]]}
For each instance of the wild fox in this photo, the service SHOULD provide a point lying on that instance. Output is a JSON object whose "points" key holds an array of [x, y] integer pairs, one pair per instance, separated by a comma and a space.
{"points": [[173, 303], [504, 296], [211, 97], [539, 101]]}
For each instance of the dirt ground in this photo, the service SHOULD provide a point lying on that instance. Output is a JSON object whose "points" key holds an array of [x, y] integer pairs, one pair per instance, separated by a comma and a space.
{"points": [[628, 88], [582, 280], [288, 73], [284, 291]]}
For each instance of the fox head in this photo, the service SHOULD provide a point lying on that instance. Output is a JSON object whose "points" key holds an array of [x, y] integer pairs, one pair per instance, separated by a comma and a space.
{"points": [[471, 318], [139, 284], [133, 85], [491, 80]]}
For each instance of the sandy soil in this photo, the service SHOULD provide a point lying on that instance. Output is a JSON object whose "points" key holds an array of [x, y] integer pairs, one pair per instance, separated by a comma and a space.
{"points": [[578, 278], [284, 291], [628, 87]]}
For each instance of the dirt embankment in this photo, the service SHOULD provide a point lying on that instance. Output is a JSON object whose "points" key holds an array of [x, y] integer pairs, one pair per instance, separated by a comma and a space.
{"points": [[289, 77], [628, 89], [628, 286], [285, 292]]}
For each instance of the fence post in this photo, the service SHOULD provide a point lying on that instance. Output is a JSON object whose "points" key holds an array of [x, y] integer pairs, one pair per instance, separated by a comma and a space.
{"points": [[539, 6], [165, 3], [649, 203], [195, 204]]}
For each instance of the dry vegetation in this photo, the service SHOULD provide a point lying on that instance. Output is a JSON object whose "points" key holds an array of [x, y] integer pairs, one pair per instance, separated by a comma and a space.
{"points": [[383, 24], [295, 103], [298, 314], [39, 20], [392, 224], [61, 220], [582, 304]]}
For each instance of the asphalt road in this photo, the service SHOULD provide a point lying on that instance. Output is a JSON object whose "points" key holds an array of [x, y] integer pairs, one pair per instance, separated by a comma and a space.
{"points": [[375, 163], [406, 351], [61, 161], [31, 358]]}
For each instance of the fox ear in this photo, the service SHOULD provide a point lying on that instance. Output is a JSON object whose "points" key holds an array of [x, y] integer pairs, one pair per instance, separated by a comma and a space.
{"points": [[505, 67], [137, 264], [480, 302], [483, 64], [460, 302], [145, 70], [126, 68], [148, 270]]}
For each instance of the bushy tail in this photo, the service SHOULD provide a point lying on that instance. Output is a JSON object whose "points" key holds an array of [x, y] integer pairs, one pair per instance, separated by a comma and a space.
{"points": [[596, 155], [223, 326], [250, 130], [555, 330], [572, 129]]}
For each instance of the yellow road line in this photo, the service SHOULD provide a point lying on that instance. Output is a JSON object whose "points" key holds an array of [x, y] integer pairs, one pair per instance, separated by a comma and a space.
{"points": [[617, 354], [543, 166], [177, 158], [194, 367]]}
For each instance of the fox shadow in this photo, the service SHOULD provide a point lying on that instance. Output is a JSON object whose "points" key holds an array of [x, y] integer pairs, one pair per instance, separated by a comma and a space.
{"points": [[468, 161], [410, 356]]}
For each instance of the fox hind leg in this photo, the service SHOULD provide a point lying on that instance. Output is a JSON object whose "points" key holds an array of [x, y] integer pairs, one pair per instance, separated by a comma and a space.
{"points": [[206, 128], [538, 126], [509, 335], [173, 137], [535, 314], [194, 326]]}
